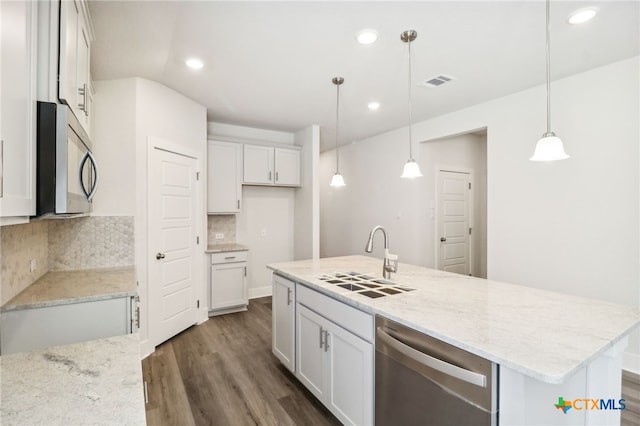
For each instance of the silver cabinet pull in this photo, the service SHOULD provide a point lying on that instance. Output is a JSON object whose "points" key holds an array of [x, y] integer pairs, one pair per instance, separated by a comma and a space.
{"points": [[238, 204], [94, 185], [276, 176], [289, 296], [269, 176], [431, 362], [82, 91], [321, 333], [160, 256], [229, 257], [245, 271], [326, 340]]}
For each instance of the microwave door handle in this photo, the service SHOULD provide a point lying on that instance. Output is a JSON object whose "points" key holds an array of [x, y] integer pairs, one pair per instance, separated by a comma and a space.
{"points": [[94, 185], [82, 161]]}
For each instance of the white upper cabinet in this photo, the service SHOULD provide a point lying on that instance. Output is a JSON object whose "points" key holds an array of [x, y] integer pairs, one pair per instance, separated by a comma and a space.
{"points": [[18, 52], [224, 177], [74, 58], [266, 165]]}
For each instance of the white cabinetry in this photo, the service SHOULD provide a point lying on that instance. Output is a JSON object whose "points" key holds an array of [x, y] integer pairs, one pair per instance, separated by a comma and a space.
{"points": [[36, 328], [18, 38], [74, 78], [283, 304], [332, 361], [228, 284], [267, 165], [224, 177]]}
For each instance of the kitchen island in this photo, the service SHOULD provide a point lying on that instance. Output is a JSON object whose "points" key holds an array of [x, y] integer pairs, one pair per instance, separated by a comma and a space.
{"points": [[546, 344]]}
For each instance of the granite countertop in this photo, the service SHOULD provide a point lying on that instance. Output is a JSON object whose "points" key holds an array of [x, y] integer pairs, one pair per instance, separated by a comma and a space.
{"points": [[221, 248], [89, 383], [64, 287], [539, 333]]}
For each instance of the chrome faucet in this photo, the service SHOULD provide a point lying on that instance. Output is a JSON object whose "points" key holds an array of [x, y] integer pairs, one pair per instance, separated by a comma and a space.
{"points": [[390, 262]]}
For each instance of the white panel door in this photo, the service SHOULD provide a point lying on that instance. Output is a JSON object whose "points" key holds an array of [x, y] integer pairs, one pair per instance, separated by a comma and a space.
{"points": [[453, 224], [224, 177], [310, 355], [258, 164], [350, 372], [172, 244], [287, 166], [283, 304]]}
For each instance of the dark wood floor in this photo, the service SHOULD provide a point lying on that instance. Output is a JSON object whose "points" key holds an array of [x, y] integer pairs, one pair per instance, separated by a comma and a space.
{"points": [[223, 373]]}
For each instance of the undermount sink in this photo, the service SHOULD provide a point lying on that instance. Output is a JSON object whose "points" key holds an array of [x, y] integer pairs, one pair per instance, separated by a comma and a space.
{"points": [[364, 284]]}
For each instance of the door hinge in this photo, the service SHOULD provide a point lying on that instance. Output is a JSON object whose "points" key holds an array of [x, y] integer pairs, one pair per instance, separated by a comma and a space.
{"points": [[470, 231], [198, 304], [469, 185]]}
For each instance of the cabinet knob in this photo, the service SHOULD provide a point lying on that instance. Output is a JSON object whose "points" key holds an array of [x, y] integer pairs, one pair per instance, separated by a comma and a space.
{"points": [[160, 256]]}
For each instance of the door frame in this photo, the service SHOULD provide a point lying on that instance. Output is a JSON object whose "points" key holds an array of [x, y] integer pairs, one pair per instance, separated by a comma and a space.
{"points": [[470, 212], [200, 289]]}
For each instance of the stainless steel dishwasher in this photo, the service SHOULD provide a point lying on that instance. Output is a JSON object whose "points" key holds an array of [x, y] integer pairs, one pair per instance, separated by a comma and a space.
{"points": [[423, 381]]}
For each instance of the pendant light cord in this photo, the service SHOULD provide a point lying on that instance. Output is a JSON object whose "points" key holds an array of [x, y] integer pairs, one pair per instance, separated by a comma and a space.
{"points": [[409, 103], [548, 73], [337, 125]]}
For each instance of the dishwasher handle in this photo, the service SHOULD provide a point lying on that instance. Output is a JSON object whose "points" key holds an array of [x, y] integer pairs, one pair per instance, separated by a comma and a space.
{"points": [[431, 362]]}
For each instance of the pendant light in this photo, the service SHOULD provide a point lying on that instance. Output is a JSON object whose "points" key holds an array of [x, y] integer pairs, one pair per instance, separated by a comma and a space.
{"points": [[337, 179], [549, 147], [411, 169]]}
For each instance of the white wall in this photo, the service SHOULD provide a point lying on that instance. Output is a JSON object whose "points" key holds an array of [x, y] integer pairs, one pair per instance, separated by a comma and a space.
{"points": [[570, 226], [122, 128], [114, 124], [307, 198]]}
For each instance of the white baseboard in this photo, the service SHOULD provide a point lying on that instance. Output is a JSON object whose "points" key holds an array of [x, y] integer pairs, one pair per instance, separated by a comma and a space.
{"points": [[631, 362], [260, 292]]}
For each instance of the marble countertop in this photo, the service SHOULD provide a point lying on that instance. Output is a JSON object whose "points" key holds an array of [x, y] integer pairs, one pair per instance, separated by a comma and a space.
{"points": [[89, 383], [221, 248], [539, 333], [64, 287]]}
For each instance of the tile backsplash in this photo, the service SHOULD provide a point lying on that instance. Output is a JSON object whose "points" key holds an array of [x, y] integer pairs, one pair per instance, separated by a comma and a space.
{"points": [[19, 244], [66, 244], [91, 242], [221, 224]]}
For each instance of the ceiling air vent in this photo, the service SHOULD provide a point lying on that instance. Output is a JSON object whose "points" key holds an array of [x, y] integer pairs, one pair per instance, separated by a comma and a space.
{"points": [[438, 80]]}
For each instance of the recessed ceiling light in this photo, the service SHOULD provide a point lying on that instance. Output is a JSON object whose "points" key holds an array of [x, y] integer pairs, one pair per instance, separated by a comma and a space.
{"points": [[583, 15], [367, 36], [194, 63], [373, 105]]}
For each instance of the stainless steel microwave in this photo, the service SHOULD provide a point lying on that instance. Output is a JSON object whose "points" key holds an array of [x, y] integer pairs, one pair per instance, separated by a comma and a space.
{"points": [[66, 171]]}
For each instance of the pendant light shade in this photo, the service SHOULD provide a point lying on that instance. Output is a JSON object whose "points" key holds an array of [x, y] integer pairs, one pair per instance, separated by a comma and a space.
{"points": [[337, 180], [411, 169], [549, 147]]}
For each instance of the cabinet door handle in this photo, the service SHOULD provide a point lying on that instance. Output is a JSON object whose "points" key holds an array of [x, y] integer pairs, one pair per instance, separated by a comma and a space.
{"points": [[238, 204], [83, 92], [269, 176], [321, 333], [288, 296], [245, 271], [276, 176], [326, 340], [229, 257]]}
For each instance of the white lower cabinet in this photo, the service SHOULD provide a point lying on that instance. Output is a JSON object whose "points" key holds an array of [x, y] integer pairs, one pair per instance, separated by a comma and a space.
{"points": [[228, 290], [283, 304], [28, 329], [335, 364]]}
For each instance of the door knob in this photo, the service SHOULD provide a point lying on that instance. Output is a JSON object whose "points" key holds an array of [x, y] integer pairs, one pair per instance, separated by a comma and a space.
{"points": [[159, 256], [443, 239]]}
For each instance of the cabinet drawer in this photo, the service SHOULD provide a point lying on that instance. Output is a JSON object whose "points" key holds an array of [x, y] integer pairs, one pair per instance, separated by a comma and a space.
{"points": [[358, 322], [228, 257]]}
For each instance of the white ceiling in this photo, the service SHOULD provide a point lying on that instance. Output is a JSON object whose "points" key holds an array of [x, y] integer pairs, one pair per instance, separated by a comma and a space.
{"points": [[270, 64]]}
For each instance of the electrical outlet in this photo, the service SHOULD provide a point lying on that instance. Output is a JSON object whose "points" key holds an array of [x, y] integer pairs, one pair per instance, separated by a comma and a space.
{"points": [[32, 265], [219, 236]]}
